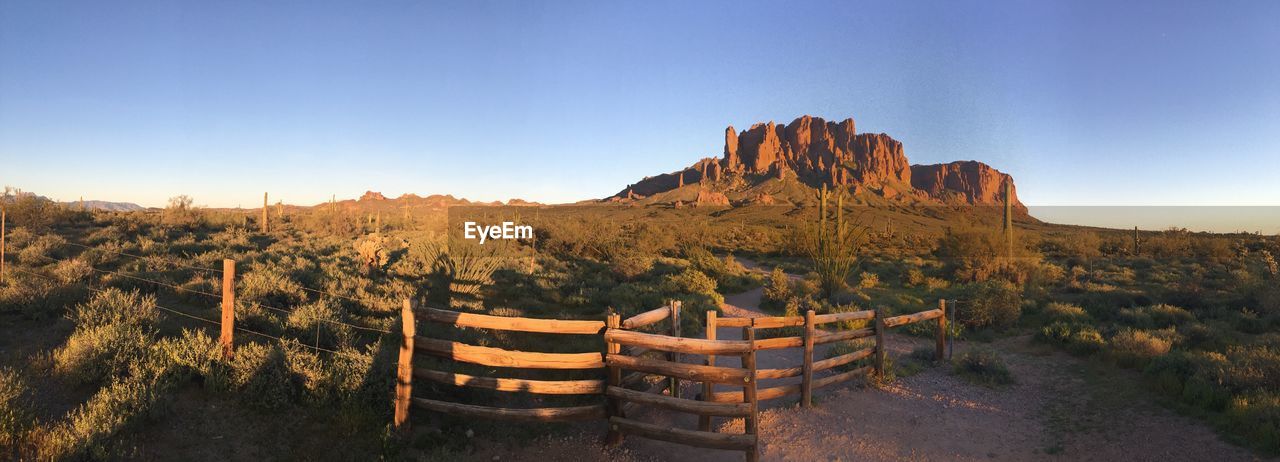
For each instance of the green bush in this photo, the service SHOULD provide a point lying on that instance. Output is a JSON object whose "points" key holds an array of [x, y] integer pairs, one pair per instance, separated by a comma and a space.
{"points": [[1135, 348], [1065, 312], [1256, 416], [90, 431], [1080, 339], [695, 290], [777, 290], [991, 304], [1154, 316], [261, 375], [984, 367], [41, 250], [15, 417], [114, 331], [194, 355]]}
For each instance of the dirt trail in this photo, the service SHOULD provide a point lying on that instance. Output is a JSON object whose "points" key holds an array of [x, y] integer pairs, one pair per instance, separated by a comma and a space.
{"points": [[1061, 408]]}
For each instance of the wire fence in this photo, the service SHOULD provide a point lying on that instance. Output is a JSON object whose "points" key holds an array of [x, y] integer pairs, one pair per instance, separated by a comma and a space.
{"points": [[204, 319], [177, 288], [197, 268]]}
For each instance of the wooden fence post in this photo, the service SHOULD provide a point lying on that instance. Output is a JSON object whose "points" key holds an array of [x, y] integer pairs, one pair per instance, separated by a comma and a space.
{"points": [[806, 387], [704, 421], [942, 330], [404, 367], [751, 424], [3, 217], [265, 226], [675, 357], [613, 405], [228, 306], [880, 353]]}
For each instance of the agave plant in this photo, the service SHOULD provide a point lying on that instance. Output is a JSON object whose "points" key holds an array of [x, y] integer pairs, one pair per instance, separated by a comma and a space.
{"points": [[464, 268]]}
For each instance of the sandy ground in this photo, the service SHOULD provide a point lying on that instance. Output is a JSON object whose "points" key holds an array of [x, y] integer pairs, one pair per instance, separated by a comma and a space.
{"points": [[1061, 408]]}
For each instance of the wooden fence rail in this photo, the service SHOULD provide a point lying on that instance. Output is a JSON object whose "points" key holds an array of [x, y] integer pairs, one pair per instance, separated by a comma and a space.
{"points": [[497, 357], [631, 356], [746, 407], [810, 337]]}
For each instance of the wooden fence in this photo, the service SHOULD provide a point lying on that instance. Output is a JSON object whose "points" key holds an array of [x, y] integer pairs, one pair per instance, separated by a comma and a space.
{"points": [[496, 357], [619, 424], [812, 336], [631, 356]]}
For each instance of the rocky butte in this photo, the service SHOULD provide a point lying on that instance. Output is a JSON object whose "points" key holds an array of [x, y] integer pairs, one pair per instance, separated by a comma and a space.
{"points": [[767, 163]]}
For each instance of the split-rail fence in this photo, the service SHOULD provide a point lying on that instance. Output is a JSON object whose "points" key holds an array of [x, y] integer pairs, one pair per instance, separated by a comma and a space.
{"points": [[634, 350]]}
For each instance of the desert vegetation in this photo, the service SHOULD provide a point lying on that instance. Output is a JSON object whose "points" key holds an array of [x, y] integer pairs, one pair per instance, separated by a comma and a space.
{"points": [[105, 312]]}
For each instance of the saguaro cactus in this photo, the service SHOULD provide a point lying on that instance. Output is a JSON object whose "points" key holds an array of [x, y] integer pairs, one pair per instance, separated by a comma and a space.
{"points": [[1008, 215]]}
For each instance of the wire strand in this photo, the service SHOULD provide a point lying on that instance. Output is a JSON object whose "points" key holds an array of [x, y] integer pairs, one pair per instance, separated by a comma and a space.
{"points": [[260, 305], [207, 320], [140, 257]]}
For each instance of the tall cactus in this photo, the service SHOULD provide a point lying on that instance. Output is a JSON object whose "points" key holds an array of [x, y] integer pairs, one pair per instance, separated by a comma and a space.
{"points": [[1008, 214]]}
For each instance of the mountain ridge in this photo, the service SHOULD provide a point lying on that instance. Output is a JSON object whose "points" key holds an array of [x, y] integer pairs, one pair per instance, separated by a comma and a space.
{"points": [[815, 153]]}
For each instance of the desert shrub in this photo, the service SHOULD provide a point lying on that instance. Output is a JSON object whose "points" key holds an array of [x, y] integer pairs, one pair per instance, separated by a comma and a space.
{"points": [[850, 346], [106, 234], [94, 354], [359, 377], [182, 213], [991, 304], [1135, 348], [71, 271], [113, 332], [630, 266], [968, 250], [269, 286], [1195, 378], [696, 290], [320, 320], [984, 367], [914, 277], [1065, 312], [113, 306], [1078, 338], [631, 299], [91, 429], [1154, 316], [42, 250], [1256, 416], [15, 417], [777, 289], [261, 375], [193, 354], [868, 280], [1253, 367]]}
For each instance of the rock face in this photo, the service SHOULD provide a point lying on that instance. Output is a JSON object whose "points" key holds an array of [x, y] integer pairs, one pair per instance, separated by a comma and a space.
{"points": [[817, 152], [706, 197], [373, 196], [970, 181]]}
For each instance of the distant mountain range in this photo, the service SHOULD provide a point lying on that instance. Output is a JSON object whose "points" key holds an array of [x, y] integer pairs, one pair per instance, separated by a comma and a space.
{"points": [[105, 205], [780, 163], [88, 204]]}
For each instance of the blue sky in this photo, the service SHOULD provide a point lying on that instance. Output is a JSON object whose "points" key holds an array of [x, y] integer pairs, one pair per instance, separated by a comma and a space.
{"points": [[1085, 103]]}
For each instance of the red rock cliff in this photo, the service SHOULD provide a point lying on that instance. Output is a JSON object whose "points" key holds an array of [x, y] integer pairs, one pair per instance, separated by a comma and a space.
{"points": [[819, 152], [970, 182]]}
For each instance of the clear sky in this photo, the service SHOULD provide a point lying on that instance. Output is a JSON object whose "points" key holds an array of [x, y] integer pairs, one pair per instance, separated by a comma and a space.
{"points": [[1085, 103]]}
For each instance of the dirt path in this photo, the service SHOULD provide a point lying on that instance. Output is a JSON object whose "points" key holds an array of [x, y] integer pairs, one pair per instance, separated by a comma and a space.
{"points": [[1061, 408]]}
